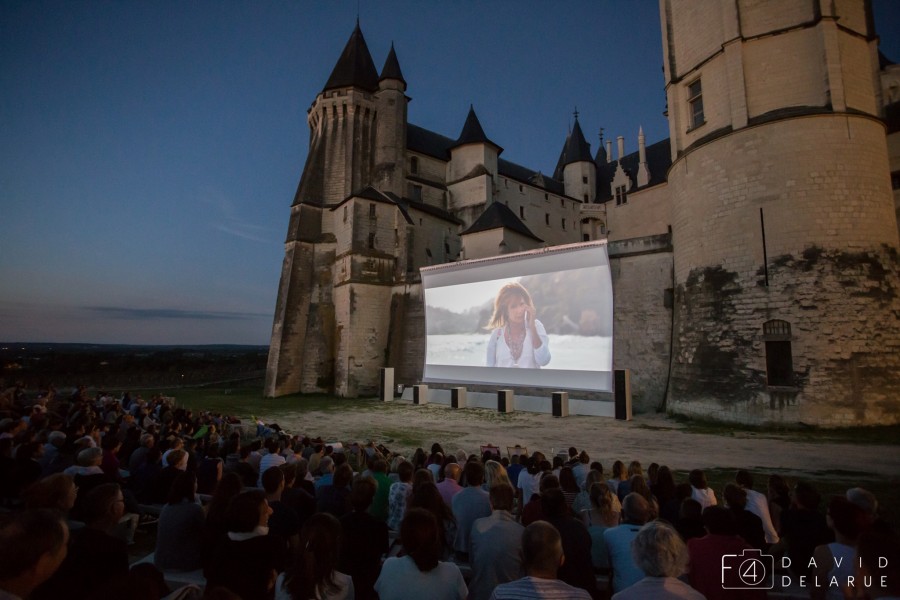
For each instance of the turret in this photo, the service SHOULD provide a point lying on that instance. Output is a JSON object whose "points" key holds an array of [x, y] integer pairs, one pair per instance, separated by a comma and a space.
{"points": [[472, 150], [579, 171], [390, 128]]}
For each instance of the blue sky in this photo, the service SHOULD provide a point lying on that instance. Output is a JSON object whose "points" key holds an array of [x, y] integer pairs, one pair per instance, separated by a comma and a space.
{"points": [[149, 151]]}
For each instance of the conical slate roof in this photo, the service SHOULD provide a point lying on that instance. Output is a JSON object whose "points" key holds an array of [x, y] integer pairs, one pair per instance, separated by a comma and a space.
{"points": [[391, 69], [472, 133], [355, 67], [577, 148]]}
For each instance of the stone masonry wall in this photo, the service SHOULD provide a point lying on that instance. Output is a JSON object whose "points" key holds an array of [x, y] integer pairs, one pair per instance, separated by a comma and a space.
{"points": [[642, 322], [831, 240]]}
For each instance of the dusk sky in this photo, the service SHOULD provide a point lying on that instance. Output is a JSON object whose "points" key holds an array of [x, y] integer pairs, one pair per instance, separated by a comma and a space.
{"points": [[150, 151]]}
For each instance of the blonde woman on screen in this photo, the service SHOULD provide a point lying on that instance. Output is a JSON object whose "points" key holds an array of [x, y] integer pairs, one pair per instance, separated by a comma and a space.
{"points": [[518, 340]]}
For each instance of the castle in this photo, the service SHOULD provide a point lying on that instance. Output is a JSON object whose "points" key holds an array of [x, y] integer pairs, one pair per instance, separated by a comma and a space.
{"points": [[754, 253]]}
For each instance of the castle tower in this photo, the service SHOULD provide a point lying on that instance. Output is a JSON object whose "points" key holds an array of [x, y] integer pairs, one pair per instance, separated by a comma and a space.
{"points": [[305, 333], [786, 266], [390, 127], [579, 171], [472, 170]]}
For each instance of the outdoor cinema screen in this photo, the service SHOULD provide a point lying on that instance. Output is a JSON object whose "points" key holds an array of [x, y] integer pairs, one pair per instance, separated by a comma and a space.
{"points": [[538, 319]]}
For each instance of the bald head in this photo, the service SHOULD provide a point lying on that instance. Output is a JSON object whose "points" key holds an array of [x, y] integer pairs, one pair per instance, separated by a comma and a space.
{"points": [[542, 552], [635, 508], [452, 471]]}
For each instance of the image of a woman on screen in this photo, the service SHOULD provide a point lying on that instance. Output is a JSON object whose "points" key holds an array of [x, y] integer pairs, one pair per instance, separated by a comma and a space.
{"points": [[518, 339]]}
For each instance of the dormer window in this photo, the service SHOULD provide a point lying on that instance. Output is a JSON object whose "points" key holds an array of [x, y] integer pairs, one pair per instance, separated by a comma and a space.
{"points": [[621, 195], [413, 164]]}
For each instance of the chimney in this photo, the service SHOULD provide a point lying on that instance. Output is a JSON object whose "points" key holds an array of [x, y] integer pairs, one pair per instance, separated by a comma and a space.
{"points": [[621, 141], [609, 151]]}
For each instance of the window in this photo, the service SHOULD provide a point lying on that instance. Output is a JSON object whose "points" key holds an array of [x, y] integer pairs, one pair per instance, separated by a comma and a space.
{"points": [[413, 164], [585, 198], [585, 237], [345, 213], [415, 192], [547, 197], [562, 202], [371, 241], [521, 212], [564, 224], [584, 179], [621, 195], [372, 210], [521, 189], [695, 102], [779, 363], [547, 219], [895, 180]]}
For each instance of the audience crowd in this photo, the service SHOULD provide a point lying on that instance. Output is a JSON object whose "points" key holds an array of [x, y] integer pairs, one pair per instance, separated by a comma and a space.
{"points": [[257, 513]]}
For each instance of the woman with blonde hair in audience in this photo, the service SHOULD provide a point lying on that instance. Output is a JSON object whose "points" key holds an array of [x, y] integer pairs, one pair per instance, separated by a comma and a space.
{"points": [[634, 468], [604, 513], [495, 474]]}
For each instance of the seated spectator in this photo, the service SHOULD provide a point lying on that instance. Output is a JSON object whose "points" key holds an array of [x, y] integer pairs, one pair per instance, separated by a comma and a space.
{"points": [[665, 491], [496, 474], [706, 558], [867, 502], [625, 571], [272, 458], [33, 545], [379, 507], [157, 490], [364, 540], [659, 552], [399, 495], [420, 573], [326, 469], [243, 467], [313, 573], [529, 480], [749, 526], [334, 498], [95, 555], [179, 537], [834, 561], [638, 485], [137, 458], [542, 555], [569, 485], [248, 560], [634, 468], [57, 492], [449, 485], [700, 490], [619, 475], [495, 545], [803, 528], [757, 504], [583, 500], [690, 520], [295, 493], [468, 505], [426, 496], [580, 470], [215, 529], [603, 514], [577, 569], [209, 470], [533, 510]]}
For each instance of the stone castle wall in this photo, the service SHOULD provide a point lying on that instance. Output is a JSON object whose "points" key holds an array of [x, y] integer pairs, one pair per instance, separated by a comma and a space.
{"points": [[831, 239]]}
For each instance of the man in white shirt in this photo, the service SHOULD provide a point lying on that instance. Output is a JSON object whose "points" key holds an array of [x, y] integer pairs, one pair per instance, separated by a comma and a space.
{"points": [[758, 504]]}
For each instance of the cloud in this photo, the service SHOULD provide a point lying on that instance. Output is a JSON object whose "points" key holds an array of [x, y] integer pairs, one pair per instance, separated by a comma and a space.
{"points": [[228, 220], [152, 314]]}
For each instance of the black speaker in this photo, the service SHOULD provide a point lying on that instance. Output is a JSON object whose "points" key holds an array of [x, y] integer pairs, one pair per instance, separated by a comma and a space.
{"points": [[560, 404], [623, 394]]}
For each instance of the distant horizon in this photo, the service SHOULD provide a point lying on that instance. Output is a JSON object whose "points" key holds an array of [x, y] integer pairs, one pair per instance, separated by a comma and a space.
{"points": [[150, 151]]}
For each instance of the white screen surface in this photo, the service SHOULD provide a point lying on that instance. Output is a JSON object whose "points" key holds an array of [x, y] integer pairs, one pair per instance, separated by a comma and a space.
{"points": [[571, 292]]}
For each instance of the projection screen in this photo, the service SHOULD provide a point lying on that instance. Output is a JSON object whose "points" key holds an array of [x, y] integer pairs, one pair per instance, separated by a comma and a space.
{"points": [[542, 318]]}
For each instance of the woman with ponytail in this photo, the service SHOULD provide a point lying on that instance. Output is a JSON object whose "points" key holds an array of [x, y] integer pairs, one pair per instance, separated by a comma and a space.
{"points": [[313, 575]]}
